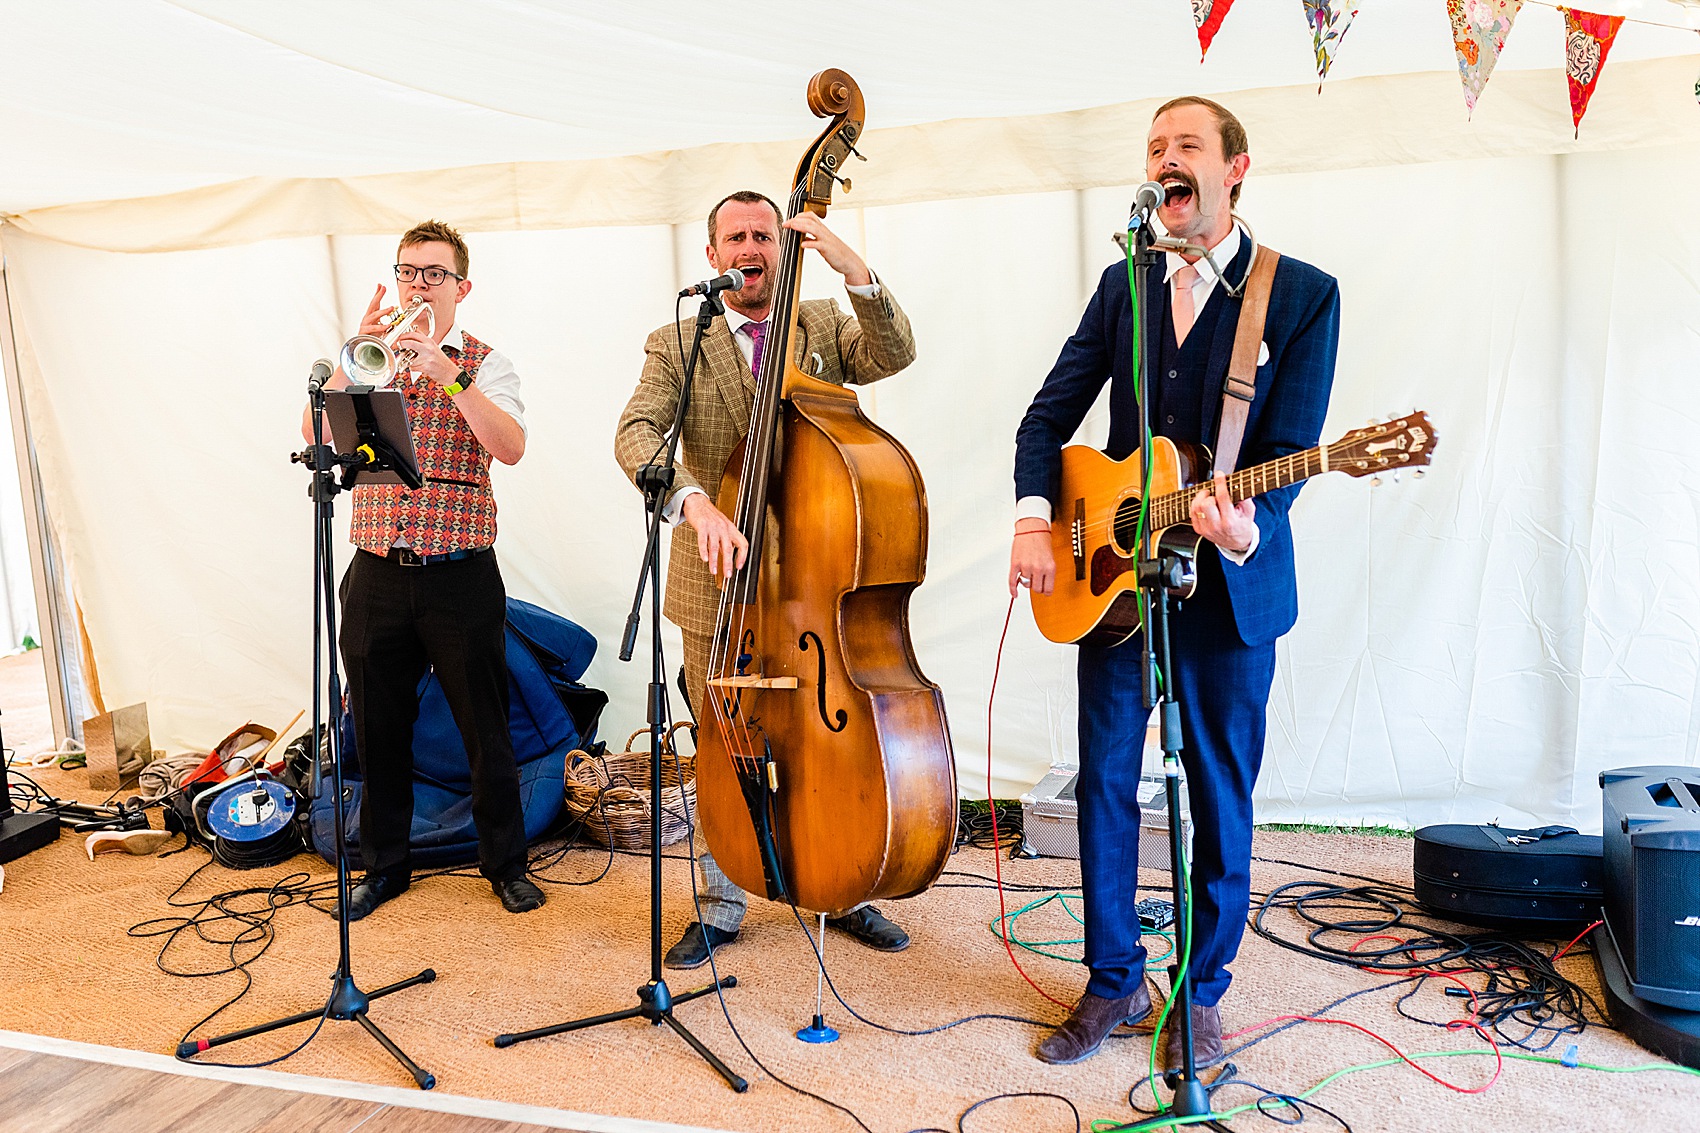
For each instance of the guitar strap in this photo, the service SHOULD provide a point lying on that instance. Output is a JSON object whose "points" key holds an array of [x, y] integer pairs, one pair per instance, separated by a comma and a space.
{"points": [[1241, 384]]}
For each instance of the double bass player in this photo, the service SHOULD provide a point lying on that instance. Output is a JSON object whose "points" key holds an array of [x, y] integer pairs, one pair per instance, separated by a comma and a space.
{"points": [[744, 231]]}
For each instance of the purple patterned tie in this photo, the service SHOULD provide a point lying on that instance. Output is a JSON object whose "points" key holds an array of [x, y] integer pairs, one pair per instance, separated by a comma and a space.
{"points": [[758, 334]]}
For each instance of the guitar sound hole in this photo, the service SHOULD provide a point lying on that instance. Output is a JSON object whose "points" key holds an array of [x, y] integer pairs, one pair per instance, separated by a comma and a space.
{"points": [[1124, 529]]}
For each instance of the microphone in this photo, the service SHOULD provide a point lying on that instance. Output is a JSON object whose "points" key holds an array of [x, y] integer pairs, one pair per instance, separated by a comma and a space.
{"points": [[733, 280], [1146, 200], [322, 371]]}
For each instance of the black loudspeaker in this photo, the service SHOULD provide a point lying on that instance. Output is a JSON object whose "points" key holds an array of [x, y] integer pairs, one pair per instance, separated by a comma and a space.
{"points": [[1652, 878]]}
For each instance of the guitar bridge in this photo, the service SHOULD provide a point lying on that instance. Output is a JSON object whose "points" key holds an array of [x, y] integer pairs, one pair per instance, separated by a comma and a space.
{"points": [[1077, 537]]}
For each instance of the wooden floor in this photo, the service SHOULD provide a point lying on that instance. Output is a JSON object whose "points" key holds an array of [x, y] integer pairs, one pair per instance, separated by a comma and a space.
{"points": [[47, 1092]]}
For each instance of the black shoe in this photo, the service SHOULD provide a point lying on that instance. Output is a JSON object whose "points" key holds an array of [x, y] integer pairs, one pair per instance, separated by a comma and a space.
{"points": [[519, 895], [373, 890], [692, 949], [870, 928]]}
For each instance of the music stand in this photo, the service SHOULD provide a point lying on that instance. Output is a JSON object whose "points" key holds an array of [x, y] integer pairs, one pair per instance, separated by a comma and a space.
{"points": [[372, 423], [373, 426]]}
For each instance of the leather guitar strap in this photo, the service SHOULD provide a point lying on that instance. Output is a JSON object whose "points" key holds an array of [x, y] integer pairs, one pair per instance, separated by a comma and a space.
{"points": [[1241, 384]]}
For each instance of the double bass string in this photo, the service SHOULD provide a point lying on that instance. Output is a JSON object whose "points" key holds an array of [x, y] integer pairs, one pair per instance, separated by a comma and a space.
{"points": [[752, 495]]}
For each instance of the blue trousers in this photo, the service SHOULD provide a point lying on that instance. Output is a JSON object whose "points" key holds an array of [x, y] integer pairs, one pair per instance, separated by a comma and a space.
{"points": [[1223, 688]]}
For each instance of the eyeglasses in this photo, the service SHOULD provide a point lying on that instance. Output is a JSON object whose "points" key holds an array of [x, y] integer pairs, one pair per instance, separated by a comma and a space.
{"points": [[405, 273]]}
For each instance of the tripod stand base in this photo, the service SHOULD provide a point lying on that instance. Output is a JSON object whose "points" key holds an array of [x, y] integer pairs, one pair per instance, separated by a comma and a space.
{"points": [[346, 1002], [818, 1032], [655, 1003]]}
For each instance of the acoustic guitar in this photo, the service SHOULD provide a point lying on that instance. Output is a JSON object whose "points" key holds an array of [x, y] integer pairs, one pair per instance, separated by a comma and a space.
{"points": [[1096, 532]]}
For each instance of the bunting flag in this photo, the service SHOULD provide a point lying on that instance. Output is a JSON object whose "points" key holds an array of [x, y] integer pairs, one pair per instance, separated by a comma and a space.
{"points": [[1208, 15], [1328, 28], [1479, 28], [1587, 40]]}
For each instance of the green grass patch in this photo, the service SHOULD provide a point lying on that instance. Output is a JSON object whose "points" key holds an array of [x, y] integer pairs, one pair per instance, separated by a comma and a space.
{"points": [[1374, 830]]}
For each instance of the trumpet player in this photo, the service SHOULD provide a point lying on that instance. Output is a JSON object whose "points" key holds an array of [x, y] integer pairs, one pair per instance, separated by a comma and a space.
{"points": [[424, 588]]}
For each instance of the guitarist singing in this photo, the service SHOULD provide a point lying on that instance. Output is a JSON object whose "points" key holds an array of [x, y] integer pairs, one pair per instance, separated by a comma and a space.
{"points": [[1223, 639]]}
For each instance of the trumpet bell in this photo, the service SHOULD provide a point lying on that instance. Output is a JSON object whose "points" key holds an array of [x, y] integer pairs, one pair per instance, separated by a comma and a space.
{"points": [[372, 361], [369, 361]]}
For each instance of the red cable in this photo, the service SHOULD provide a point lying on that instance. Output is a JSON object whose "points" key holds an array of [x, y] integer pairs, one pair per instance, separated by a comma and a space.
{"points": [[1498, 1058], [997, 855], [1559, 955], [1456, 1024]]}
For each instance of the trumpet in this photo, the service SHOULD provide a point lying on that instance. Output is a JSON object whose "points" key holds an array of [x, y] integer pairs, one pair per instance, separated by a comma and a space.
{"points": [[369, 360]]}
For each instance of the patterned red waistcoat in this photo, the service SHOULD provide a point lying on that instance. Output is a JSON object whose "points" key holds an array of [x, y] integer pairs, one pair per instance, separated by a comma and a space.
{"points": [[454, 510]]}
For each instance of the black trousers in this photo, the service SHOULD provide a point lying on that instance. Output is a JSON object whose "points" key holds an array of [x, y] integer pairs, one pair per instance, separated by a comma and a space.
{"points": [[396, 620]]}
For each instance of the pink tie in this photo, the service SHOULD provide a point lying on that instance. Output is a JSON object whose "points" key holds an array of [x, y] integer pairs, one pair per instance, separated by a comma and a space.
{"points": [[758, 332], [1182, 305]]}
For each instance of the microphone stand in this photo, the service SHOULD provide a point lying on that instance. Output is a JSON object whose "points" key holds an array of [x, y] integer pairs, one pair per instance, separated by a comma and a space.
{"points": [[655, 1000], [1157, 575], [346, 1000]]}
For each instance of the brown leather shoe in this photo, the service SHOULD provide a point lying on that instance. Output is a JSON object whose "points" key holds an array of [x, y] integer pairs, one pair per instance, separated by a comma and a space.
{"points": [[1090, 1023], [1206, 1039]]}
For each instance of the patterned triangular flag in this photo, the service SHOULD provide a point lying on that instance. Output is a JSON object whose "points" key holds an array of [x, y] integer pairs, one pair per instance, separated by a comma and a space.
{"points": [[1328, 28], [1587, 40], [1208, 15], [1479, 28]]}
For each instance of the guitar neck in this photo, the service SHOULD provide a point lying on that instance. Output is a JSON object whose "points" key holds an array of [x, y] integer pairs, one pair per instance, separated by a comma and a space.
{"points": [[1175, 507]]}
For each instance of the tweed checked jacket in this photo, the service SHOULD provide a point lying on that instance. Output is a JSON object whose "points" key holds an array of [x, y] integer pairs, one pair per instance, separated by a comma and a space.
{"points": [[876, 343]]}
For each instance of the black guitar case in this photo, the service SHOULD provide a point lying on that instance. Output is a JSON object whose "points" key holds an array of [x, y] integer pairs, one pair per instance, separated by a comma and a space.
{"points": [[1543, 882]]}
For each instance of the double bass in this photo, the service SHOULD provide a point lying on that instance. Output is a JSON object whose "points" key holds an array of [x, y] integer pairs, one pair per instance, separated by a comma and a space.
{"points": [[825, 776]]}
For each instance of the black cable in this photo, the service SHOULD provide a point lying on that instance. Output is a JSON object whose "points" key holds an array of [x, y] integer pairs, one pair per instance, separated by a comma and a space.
{"points": [[961, 1122], [974, 824], [826, 975], [257, 934], [1523, 998], [714, 972]]}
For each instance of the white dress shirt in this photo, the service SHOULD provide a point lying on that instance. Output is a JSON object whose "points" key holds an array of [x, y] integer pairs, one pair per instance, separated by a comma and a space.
{"points": [[497, 378]]}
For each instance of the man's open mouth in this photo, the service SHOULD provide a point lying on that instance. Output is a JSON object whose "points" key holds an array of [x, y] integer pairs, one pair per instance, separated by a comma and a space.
{"points": [[1176, 191], [752, 273]]}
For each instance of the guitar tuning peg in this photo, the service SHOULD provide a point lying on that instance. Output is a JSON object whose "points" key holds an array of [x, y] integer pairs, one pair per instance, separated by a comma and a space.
{"points": [[1395, 475], [1372, 421], [1375, 480], [857, 154], [1418, 473]]}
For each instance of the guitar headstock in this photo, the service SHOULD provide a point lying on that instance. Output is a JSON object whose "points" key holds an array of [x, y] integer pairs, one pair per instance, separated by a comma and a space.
{"points": [[832, 94], [1406, 441]]}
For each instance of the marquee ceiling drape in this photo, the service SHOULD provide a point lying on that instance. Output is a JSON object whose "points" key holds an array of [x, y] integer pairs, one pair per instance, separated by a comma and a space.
{"points": [[199, 195]]}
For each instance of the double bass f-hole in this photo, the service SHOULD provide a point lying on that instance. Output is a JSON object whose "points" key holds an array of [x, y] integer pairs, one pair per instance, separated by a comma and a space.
{"points": [[820, 683]]}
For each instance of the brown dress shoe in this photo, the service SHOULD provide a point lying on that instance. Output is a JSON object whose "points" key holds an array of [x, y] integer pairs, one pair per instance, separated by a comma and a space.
{"points": [[1206, 1040], [1090, 1023]]}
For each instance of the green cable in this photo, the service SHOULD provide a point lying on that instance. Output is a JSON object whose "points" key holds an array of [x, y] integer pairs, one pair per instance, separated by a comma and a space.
{"points": [[1103, 1124], [1139, 393], [1039, 946], [1144, 421], [1180, 976]]}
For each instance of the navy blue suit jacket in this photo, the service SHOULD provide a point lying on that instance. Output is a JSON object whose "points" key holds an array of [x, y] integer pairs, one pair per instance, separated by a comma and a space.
{"points": [[1302, 334]]}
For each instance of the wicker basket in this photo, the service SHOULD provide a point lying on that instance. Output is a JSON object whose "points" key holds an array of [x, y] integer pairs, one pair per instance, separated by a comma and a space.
{"points": [[610, 793]]}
